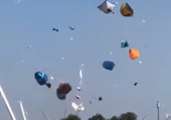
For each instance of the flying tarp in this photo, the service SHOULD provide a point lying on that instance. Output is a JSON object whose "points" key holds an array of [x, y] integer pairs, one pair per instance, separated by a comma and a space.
{"points": [[107, 7], [134, 53], [42, 78], [126, 10]]}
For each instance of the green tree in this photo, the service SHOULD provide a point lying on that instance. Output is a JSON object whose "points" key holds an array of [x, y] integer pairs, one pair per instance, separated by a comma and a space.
{"points": [[128, 116], [97, 117], [114, 118], [71, 117]]}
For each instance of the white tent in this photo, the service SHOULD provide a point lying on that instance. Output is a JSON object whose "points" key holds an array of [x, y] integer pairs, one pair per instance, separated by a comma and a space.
{"points": [[77, 107], [106, 7]]}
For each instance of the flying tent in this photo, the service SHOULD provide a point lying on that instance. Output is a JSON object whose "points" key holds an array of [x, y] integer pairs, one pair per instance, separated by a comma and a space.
{"points": [[107, 7], [126, 10]]}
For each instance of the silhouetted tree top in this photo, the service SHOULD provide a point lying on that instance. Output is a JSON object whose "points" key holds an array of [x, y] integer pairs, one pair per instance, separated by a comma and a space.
{"points": [[97, 117], [71, 117], [128, 116]]}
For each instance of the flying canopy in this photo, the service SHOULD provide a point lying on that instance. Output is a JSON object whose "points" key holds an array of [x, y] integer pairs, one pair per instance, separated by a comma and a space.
{"points": [[134, 53], [77, 107], [109, 65], [42, 78], [124, 44], [63, 90], [126, 10], [107, 7], [55, 29]]}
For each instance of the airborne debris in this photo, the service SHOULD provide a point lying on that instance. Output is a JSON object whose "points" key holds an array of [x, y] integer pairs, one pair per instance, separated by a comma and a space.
{"points": [[62, 90], [124, 44], [42, 78], [126, 10], [107, 7], [134, 53], [109, 65], [55, 29]]}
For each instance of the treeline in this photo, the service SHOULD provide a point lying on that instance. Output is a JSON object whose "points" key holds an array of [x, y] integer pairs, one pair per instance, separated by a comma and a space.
{"points": [[124, 116]]}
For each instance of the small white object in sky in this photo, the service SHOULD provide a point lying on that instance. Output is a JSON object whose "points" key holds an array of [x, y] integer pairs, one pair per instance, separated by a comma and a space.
{"points": [[143, 21], [107, 7], [79, 88], [77, 107], [71, 38], [140, 62], [52, 78], [62, 58], [80, 73], [110, 53]]}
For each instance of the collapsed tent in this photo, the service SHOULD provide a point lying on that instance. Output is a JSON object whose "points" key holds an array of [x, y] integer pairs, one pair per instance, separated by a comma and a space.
{"points": [[77, 107], [55, 29], [63, 90], [42, 78], [124, 44], [135, 84], [100, 98], [109, 65], [134, 53], [71, 28], [107, 7], [126, 10]]}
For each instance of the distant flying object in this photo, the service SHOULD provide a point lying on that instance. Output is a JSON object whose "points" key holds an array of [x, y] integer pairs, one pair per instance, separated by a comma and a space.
{"points": [[135, 84], [124, 44], [71, 28], [109, 65], [62, 90], [42, 78], [134, 53], [126, 10], [55, 29], [107, 7], [100, 98], [77, 107]]}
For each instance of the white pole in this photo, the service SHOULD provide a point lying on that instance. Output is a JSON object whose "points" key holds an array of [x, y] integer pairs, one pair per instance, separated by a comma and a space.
{"points": [[7, 104], [22, 110]]}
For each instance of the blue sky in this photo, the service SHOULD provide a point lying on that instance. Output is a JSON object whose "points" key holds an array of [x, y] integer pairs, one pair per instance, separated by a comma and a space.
{"points": [[29, 23]]}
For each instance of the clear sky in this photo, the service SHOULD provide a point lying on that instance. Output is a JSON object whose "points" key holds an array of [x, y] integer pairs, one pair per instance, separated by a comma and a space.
{"points": [[28, 44]]}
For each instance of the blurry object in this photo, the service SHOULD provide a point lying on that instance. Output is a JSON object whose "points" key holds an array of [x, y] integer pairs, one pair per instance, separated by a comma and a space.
{"points": [[106, 7], [134, 53], [124, 44], [63, 90], [71, 28], [100, 98], [55, 29], [77, 107], [109, 65], [42, 78], [135, 84], [7, 104], [126, 10]]}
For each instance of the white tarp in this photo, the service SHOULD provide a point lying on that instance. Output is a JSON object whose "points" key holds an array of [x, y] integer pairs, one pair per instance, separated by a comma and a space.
{"points": [[77, 107], [106, 7]]}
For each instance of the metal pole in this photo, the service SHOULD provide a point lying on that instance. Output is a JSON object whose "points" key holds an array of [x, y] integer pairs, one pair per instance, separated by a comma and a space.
{"points": [[22, 110], [158, 112], [7, 104]]}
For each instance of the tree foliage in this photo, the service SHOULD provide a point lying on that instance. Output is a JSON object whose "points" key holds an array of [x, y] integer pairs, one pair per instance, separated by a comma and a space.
{"points": [[72, 117], [128, 116], [97, 117]]}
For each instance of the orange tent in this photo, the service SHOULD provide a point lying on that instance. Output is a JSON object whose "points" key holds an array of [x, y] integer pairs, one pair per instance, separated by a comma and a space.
{"points": [[134, 53]]}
